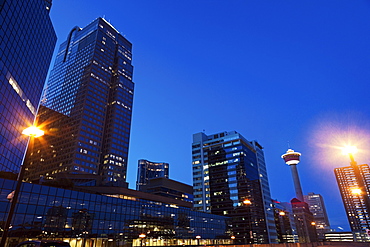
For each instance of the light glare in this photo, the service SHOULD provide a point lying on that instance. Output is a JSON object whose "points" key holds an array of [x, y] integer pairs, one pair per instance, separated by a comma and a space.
{"points": [[33, 131], [247, 202], [356, 191], [349, 150]]}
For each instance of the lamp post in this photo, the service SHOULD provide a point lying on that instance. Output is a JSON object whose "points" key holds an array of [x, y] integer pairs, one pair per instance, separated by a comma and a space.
{"points": [[361, 191], [142, 236], [32, 132], [248, 202], [198, 237]]}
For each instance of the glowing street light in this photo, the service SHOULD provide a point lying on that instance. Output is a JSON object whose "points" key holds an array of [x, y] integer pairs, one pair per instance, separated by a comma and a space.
{"points": [[198, 237], [349, 150], [282, 213], [142, 236], [32, 132], [247, 202]]}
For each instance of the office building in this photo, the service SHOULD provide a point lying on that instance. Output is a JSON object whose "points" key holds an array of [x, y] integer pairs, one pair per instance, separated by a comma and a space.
{"points": [[169, 188], [27, 41], [347, 237], [355, 199], [284, 221], [317, 208], [339, 237], [115, 216], [91, 85], [148, 170], [230, 179], [304, 222]]}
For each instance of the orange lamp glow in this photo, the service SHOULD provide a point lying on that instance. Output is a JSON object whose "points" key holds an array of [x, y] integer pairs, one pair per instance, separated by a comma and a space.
{"points": [[33, 131]]}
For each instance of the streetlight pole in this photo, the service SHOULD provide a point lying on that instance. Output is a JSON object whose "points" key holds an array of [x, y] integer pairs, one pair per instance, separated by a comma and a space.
{"points": [[248, 203], [142, 236], [32, 132], [198, 237]]}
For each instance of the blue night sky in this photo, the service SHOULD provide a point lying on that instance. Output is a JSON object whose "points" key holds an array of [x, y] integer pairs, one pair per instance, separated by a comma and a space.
{"points": [[274, 71]]}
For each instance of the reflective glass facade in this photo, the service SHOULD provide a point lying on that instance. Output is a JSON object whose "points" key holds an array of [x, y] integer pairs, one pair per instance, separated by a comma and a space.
{"points": [[91, 84], [86, 219], [147, 170], [230, 178], [27, 41]]}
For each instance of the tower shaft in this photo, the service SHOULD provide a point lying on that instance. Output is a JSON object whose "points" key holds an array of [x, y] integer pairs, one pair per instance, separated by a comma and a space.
{"points": [[297, 183]]}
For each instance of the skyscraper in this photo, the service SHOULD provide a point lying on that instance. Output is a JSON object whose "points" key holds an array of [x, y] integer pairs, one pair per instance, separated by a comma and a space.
{"points": [[91, 85], [230, 179], [304, 221], [148, 170], [27, 41], [354, 200], [317, 208]]}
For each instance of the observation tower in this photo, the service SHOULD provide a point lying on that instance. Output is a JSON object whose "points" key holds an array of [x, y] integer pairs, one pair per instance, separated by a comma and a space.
{"points": [[292, 159]]}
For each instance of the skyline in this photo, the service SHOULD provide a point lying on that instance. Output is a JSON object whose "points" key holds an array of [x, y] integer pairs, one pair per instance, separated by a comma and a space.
{"points": [[286, 66]]}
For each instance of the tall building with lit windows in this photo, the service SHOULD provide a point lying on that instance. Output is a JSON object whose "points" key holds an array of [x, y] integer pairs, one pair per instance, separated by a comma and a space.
{"points": [[230, 179], [354, 201], [317, 208], [148, 170], [27, 42], [91, 86]]}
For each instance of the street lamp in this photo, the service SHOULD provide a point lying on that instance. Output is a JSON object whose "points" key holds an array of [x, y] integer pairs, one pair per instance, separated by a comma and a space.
{"points": [[248, 202], [32, 132], [142, 236], [198, 237]]}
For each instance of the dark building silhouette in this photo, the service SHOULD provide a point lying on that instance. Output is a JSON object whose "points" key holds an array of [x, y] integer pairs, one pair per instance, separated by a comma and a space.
{"points": [[285, 226], [91, 85], [230, 179], [27, 41], [304, 221], [169, 188], [148, 170]]}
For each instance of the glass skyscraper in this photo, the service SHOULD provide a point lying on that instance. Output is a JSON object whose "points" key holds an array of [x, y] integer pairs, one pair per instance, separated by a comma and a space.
{"points": [[91, 86], [230, 179], [148, 170], [27, 41], [355, 202]]}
